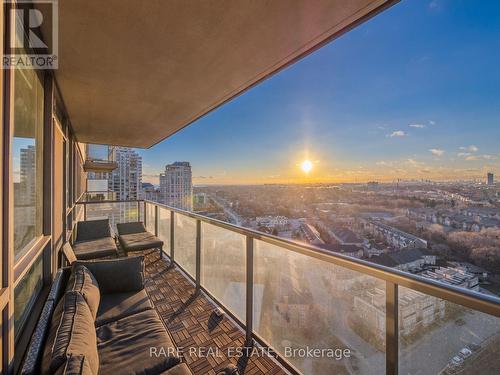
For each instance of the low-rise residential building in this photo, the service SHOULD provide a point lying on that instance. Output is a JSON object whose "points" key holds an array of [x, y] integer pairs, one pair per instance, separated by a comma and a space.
{"points": [[478, 213], [412, 260], [355, 251], [371, 250], [393, 236], [272, 222], [345, 236], [310, 234], [470, 219], [416, 310], [456, 276], [420, 214]]}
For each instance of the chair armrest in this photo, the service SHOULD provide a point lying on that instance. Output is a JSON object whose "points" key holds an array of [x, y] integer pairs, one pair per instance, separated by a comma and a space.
{"points": [[117, 275]]}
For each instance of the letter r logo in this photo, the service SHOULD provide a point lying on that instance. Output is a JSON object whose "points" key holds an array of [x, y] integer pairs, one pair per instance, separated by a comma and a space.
{"points": [[26, 21]]}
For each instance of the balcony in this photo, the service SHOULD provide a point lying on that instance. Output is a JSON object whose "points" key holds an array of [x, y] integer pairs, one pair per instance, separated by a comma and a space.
{"points": [[149, 71], [287, 297], [99, 159]]}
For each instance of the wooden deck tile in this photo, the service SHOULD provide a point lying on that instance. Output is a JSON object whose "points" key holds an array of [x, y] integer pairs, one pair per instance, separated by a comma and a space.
{"points": [[193, 324]]}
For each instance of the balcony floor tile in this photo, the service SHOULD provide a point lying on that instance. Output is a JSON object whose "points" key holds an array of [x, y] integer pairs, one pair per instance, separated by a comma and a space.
{"points": [[193, 324]]}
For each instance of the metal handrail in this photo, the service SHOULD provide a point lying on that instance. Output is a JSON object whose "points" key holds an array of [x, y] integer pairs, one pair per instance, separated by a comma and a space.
{"points": [[482, 302], [393, 278]]}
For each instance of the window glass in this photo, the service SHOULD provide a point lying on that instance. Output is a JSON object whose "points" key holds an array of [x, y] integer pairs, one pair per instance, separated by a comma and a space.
{"points": [[27, 159], [26, 293]]}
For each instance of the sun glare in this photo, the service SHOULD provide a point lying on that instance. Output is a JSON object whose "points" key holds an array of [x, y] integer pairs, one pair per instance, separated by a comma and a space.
{"points": [[306, 166]]}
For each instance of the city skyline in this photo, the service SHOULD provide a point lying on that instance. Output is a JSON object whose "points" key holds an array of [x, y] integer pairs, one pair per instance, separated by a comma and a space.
{"points": [[359, 111]]}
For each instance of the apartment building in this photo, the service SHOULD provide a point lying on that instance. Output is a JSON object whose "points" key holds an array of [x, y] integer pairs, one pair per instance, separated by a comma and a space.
{"points": [[393, 236], [126, 180], [310, 234], [176, 185], [417, 311], [457, 276]]}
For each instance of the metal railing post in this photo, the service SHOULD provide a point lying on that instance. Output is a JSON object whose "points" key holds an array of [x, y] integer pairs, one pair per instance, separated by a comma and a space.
{"points": [[172, 239], [84, 211], [139, 212], [157, 211], [391, 328], [249, 291], [198, 255]]}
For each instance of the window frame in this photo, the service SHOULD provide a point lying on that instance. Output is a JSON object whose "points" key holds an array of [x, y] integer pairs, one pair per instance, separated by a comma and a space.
{"points": [[28, 249]]}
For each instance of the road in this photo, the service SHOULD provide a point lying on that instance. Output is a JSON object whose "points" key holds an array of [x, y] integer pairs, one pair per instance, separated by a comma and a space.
{"points": [[233, 217]]}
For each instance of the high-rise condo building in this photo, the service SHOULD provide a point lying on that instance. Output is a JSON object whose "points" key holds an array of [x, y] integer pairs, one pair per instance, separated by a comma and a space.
{"points": [[490, 178], [176, 186], [126, 179], [27, 175]]}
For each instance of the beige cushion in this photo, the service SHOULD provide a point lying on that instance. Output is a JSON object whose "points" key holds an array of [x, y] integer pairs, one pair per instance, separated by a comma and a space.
{"points": [[72, 333], [82, 281]]}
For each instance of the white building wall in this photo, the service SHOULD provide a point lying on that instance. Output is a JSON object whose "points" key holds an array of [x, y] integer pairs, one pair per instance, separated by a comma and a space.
{"points": [[176, 186]]}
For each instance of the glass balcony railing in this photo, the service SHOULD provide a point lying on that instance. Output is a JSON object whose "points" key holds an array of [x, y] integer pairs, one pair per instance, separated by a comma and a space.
{"points": [[104, 195], [115, 211], [323, 313]]}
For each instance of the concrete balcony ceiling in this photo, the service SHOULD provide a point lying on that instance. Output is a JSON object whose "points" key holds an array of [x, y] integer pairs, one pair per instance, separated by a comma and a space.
{"points": [[135, 72]]}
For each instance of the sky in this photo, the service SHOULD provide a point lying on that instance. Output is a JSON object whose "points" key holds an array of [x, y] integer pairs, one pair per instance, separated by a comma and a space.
{"points": [[412, 93]]}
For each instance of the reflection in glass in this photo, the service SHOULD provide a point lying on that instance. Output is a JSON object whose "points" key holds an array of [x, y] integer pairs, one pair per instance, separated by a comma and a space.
{"points": [[303, 302], [116, 212], [440, 337], [185, 243], [26, 293], [223, 271], [164, 228], [27, 159], [150, 217]]}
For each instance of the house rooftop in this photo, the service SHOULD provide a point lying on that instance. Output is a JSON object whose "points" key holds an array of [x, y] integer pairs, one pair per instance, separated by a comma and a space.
{"points": [[400, 257]]}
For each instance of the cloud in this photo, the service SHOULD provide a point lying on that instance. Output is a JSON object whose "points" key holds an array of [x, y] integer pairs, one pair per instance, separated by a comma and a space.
{"points": [[418, 126], [436, 151], [432, 122], [471, 148], [414, 163], [464, 154], [481, 157], [488, 157], [397, 133]]}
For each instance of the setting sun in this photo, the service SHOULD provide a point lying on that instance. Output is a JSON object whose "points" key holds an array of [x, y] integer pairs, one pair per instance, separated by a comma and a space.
{"points": [[306, 166]]}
